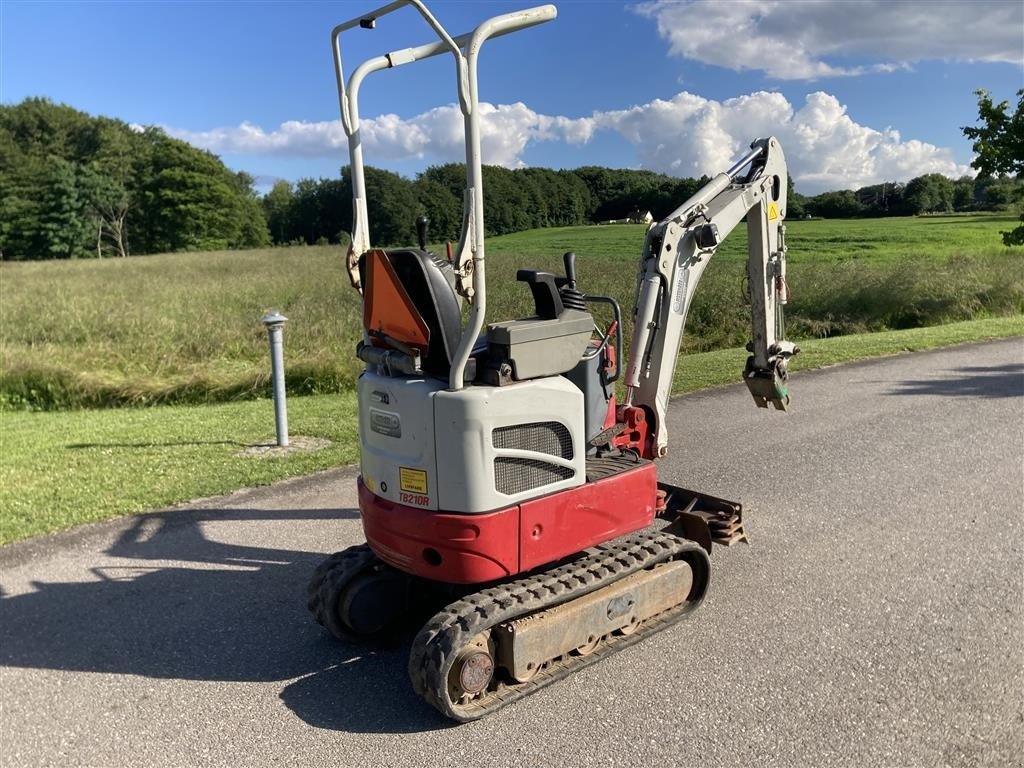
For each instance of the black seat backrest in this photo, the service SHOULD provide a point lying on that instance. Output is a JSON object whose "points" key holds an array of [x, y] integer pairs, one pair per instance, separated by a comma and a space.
{"points": [[430, 283]]}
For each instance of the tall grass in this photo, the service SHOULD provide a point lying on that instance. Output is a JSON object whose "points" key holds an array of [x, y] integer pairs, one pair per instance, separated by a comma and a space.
{"points": [[185, 327], [174, 328]]}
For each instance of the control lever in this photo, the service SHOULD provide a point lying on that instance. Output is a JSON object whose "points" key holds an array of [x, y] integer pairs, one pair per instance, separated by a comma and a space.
{"points": [[569, 259], [421, 231]]}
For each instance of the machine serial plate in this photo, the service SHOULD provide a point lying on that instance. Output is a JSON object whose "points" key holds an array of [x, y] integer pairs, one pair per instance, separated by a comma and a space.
{"points": [[385, 423]]}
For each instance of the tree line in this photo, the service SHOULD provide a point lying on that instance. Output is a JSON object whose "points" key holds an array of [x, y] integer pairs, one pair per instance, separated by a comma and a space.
{"points": [[931, 193], [320, 211], [74, 185], [314, 211]]}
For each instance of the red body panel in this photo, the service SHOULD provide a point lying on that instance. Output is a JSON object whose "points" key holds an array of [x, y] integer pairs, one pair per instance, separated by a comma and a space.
{"points": [[469, 548], [637, 435], [564, 523], [472, 549]]}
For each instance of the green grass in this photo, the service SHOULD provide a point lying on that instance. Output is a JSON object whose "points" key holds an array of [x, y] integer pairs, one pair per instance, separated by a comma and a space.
{"points": [[58, 470], [722, 366], [179, 327], [185, 328]]}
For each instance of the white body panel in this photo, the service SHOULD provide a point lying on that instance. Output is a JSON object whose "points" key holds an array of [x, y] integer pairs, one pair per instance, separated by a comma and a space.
{"points": [[465, 420], [428, 447], [396, 431]]}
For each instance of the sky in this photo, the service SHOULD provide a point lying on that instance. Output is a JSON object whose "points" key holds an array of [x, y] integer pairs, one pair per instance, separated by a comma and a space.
{"points": [[857, 92]]}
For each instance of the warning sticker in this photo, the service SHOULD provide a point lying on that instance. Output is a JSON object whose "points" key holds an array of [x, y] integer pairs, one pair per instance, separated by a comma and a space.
{"points": [[412, 480], [773, 211]]}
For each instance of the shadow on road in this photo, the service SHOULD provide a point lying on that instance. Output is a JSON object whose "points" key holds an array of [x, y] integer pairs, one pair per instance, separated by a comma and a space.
{"points": [[973, 381], [246, 622]]}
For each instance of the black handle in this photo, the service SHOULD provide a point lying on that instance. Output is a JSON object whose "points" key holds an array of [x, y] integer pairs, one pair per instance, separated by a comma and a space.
{"points": [[546, 299], [421, 231], [569, 259]]}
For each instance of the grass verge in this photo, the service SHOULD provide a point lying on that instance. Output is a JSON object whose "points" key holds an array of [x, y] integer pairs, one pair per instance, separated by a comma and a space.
{"points": [[58, 470], [723, 366], [184, 328]]}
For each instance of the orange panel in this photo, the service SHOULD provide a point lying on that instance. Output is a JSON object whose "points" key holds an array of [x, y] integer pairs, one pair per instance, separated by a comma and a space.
{"points": [[386, 304]]}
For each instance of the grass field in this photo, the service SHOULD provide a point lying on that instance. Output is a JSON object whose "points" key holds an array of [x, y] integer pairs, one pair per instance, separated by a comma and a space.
{"points": [[184, 328], [61, 469]]}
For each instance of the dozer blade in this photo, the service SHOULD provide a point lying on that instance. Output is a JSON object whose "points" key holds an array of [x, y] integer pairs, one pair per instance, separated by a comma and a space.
{"points": [[702, 518]]}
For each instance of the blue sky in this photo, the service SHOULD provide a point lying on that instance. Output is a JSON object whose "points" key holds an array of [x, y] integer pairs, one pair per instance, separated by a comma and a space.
{"points": [[857, 92]]}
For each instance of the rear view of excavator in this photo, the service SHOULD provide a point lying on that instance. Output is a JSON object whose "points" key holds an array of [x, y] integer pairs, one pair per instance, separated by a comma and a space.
{"points": [[511, 504]]}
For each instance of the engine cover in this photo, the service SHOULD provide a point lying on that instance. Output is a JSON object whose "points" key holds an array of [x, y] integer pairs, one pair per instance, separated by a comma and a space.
{"points": [[470, 451]]}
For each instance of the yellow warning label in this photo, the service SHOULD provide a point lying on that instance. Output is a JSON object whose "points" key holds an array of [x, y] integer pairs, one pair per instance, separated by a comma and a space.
{"points": [[412, 480], [773, 211]]}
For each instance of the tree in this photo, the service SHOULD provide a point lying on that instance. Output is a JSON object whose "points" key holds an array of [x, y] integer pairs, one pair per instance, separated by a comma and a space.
{"points": [[999, 145], [63, 223], [794, 201], [834, 205], [74, 185], [997, 194], [108, 205], [440, 206], [885, 199], [277, 207], [963, 194], [507, 205], [252, 222], [931, 193]]}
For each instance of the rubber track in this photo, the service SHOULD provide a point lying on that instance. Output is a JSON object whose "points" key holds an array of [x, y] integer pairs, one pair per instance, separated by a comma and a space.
{"points": [[329, 580], [438, 644]]}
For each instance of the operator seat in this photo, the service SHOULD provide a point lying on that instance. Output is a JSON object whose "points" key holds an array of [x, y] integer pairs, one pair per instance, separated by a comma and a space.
{"points": [[430, 283]]}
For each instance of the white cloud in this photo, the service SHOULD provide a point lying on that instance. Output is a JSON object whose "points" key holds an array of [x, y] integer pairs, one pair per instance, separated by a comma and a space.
{"points": [[687, 135], [825, 148], [294, 138], [435, 135], [818, 38]]}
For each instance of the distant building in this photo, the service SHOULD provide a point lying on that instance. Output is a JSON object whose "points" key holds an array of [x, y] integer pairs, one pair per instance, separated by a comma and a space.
{"points": [[639, 217], [636, 217]]}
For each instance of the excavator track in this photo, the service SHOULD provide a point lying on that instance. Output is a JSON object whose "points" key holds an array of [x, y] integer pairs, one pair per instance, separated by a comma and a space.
{"points": [[358, 597], [455, 645], [328, 583]]}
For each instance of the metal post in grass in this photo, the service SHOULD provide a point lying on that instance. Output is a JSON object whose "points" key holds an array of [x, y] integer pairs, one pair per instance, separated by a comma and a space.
{"points": [[274, 322]]}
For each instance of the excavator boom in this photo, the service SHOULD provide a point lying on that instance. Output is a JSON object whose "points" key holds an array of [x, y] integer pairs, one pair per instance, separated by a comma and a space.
{"points": [[677, 250]]}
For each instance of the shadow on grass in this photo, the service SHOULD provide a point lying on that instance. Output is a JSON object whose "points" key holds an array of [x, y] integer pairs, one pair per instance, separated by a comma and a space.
{"points": [[224, 612], [167, 444], [989, 381]]}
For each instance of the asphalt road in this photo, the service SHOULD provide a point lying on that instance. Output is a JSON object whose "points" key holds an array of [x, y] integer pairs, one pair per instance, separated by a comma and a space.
{"points": [[876, 619]]}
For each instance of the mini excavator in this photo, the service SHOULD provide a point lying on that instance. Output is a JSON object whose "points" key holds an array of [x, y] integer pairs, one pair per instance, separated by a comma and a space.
{"points": [[511, 504]]}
